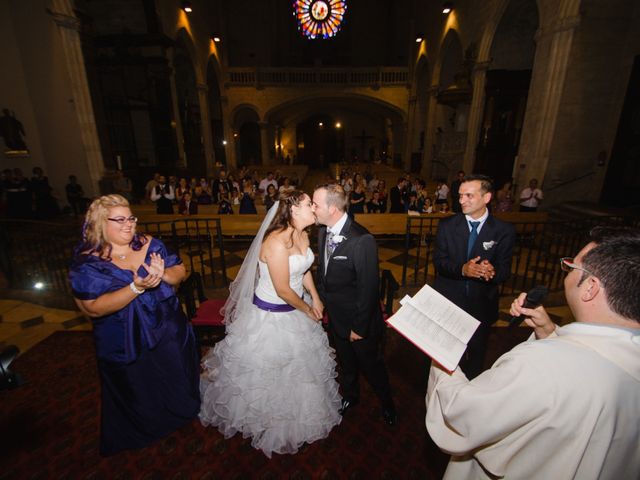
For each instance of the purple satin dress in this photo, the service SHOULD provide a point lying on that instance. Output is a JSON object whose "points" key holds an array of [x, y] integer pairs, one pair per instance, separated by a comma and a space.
{"points": [[148, 359]]}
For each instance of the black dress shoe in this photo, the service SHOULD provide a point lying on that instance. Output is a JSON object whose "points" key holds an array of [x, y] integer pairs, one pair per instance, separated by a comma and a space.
{"points": [[347, 405], [390, 416]]}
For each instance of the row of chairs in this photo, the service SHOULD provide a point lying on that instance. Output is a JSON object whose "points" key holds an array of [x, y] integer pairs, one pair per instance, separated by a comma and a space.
{"points": [[208, 323]]}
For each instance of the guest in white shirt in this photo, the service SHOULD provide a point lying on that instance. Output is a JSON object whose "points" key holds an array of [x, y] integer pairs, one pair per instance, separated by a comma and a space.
{"points": [[531, 197]]}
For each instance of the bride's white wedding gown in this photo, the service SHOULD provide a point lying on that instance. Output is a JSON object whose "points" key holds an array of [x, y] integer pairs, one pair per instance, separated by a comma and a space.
{"points": [[273, 376]]}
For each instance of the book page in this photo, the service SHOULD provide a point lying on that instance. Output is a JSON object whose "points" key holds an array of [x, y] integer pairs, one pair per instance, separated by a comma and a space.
{"points": [[435, 325]]}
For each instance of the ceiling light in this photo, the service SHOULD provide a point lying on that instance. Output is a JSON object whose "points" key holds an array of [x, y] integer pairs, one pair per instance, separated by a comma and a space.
{"points": [[186, 6], [419, 37], [447, 7]]}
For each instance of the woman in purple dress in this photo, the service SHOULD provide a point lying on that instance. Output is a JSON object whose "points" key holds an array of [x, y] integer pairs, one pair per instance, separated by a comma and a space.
{"points": [[146, 349]]}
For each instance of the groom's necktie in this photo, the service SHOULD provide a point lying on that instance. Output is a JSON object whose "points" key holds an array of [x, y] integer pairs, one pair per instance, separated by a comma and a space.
{"points": [[331, 246], [473, 236]]}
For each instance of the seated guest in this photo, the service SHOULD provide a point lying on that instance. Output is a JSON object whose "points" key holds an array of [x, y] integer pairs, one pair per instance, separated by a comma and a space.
{"points": [[203, 195], [374, 205], [163, 195], [75, 196], [442, 192], [427, 206], [531, 197], [146, 349], [286, 186], [224, 205], [397, 196], [382, 190], [271, 197], [357, 199], [247, 203], [265, 182], [187, 206], [412, 204], [565, 403], [220, 185], [183, 187], [504, 199], [46, 206]]}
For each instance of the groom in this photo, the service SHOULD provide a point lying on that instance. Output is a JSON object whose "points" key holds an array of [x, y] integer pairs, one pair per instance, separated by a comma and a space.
{"points": [[348, 284]]}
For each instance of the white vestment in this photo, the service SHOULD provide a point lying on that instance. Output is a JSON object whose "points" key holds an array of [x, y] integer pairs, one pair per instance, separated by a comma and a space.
{"points": [[564, 407]]}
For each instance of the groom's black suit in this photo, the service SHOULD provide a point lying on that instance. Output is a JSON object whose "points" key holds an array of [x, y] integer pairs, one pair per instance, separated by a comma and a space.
{"points": [[477, 297], [350, 292]]}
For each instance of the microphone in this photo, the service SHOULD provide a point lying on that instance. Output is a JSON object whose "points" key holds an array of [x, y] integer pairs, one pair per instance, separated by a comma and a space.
{"points": [[533, 299]]}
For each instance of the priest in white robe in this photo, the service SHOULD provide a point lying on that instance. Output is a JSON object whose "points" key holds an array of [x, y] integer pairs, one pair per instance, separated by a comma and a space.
{"points": [[566, 403]]}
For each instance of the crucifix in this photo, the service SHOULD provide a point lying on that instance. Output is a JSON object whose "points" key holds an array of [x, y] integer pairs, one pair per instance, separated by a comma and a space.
{"points": [[363, 143]]}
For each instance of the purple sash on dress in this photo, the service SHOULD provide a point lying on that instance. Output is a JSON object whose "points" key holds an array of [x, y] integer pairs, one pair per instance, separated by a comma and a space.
{"points": [[272, 307]]}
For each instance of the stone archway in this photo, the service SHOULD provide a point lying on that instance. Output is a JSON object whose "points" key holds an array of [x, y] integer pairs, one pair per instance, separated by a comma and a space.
{"points": [[247, 137]]}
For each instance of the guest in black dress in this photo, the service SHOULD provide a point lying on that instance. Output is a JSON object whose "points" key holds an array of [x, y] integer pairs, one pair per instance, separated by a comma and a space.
{"points": [[146, 349], [247, 203], [357, 200]]}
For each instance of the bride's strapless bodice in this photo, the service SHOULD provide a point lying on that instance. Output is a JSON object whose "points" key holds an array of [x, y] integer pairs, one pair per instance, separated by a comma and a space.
{"points": [[298, 265]]}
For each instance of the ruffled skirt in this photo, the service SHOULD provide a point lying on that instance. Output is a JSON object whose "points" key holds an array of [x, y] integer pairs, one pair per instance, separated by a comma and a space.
{"points": [[273, 379]]}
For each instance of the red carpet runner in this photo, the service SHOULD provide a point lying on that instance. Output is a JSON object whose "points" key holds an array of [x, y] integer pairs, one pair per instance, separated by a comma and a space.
{"points": [[49, 428]]}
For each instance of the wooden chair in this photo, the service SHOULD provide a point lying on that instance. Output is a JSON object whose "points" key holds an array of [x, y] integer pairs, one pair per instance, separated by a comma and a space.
{"points": [[204, 314]]}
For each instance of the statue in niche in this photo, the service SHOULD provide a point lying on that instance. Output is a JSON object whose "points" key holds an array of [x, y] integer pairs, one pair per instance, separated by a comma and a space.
{"points": [[12, 131]]}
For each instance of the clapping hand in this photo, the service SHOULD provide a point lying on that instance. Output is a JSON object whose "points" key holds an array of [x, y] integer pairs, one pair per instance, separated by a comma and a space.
{"points": [[155, 270], [482, 270]]}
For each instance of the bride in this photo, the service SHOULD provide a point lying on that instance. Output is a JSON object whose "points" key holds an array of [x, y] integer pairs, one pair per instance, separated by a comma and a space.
{"points": [[272, 378]]}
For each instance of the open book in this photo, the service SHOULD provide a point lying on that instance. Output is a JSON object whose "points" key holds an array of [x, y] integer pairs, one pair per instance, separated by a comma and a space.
{"points": [[436, 326]]}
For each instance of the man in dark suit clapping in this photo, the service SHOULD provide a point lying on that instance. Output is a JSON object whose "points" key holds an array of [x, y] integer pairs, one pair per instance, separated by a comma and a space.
{"points": [[348, 284], [472, 257]]}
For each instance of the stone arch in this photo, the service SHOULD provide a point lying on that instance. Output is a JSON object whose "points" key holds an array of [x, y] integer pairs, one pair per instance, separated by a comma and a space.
{"points": [[246, 125], [369, 128]]}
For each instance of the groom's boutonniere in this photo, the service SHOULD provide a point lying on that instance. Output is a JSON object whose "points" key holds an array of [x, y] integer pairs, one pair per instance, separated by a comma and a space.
{"points": [[489, 245], [338, 239]]}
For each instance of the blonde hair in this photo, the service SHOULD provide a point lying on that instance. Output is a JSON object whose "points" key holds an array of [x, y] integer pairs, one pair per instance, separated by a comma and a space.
{"points": [[94, 230]]}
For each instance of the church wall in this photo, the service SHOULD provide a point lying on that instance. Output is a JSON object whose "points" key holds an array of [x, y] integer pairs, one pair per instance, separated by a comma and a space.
{"points": [[35, 83], [601, 59], [14, 94]]}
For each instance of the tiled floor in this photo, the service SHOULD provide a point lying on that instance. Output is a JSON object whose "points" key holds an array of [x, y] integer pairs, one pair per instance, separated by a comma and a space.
{"points": [[24, 324]]}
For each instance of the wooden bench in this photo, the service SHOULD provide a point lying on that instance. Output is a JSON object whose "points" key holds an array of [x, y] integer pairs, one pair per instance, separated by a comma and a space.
{"points": [[376, 223]]}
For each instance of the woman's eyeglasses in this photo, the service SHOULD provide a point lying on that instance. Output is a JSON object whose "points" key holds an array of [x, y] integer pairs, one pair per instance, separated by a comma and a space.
{"points": [[123, 220], [567, 264]]}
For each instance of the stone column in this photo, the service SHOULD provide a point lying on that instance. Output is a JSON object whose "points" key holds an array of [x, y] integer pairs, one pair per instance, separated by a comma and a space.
{"points": [[264, 142], [207, 137], [231, 148], [409, 140], [547, 84], [181, 161], [429, 132], [69, 28], [476, 114]]}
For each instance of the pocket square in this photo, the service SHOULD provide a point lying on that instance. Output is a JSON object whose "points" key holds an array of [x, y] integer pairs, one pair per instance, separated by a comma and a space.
{"points": [[489, 245], [339, 257]]}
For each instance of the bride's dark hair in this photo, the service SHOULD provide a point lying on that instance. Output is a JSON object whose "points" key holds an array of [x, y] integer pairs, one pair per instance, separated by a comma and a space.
{"points": [[284, 218]]}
